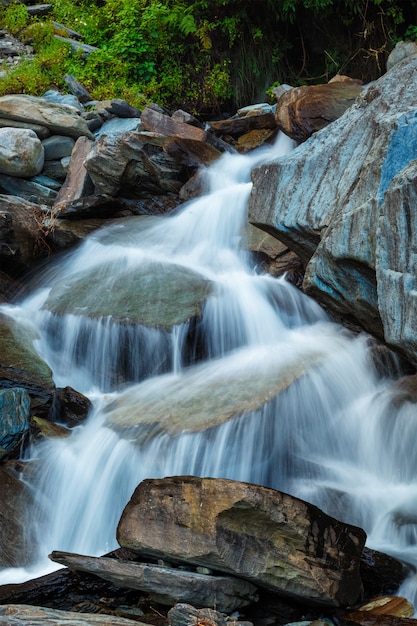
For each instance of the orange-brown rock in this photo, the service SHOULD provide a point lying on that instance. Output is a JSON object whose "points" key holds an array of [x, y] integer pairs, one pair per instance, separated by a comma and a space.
{"points": [[236, 126], [304, 110], [265, 536]]}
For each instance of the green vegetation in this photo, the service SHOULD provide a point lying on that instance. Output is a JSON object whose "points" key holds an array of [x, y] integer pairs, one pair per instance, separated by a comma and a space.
{"points": [[206, 56]]}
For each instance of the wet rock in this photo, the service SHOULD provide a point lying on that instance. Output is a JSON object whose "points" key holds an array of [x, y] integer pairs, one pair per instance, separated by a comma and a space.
{"points": [[57, 118], [166, 585], [20, 233], [72, 407], [14, 416], [380, 573], [388, 605], [190, 152], [30, 190], [267, 537], [303, 111], [20, 365], [42, 428], [254, 138], [21, 152], [152, 294], [16, 532], [208, 394], [383, 611]]}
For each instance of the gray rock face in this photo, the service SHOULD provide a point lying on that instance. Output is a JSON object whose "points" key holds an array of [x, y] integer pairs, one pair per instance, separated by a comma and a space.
{"points": [[336, 201], [21, 152], [15, 530], [265, 536], [25, 615]]}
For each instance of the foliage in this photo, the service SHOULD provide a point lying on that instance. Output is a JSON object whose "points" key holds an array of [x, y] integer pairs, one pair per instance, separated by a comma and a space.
{"points": [[207, 56]]}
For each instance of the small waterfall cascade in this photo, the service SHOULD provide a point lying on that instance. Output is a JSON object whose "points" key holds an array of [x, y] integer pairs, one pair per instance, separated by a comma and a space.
{"points": [[279, 394]]}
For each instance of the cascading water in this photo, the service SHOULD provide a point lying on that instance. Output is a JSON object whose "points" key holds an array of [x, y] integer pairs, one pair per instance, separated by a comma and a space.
{"points": [[263, 388]]}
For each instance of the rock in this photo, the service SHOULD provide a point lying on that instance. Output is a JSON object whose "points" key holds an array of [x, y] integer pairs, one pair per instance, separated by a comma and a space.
{"points": [[14, 416], [190, 152], [388, 605], [78, 183], [152, 294], [22, 614], [94, 207], [20, 365], [55, 170], [158, 122], [46, 429], [121, 108], [236, 126], [118, 126], [401, 51], [20, 233], [29, 190], [16, 532], [380, 573], [71, 407], [165, 584], [21, 152], [57, 118], [76, 88], [262, 535], [39, 9], [304, 110], [41, 131], [57, 147], [208, 394], [195, 186], [69, 101], [126, 163], [77, 47], [367, 618], [254, 138], [337, 201], [186, 615]]}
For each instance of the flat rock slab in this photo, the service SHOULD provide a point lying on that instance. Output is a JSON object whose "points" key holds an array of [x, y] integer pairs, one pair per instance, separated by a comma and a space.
{"points": [[152, 294], [265, 536], [167, 585], [57, 118], [25, 615], [209, 394]]}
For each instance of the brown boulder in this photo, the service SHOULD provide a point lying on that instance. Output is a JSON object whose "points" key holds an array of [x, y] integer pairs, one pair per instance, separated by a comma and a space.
{"points": [[304, 110], [265, 536]]}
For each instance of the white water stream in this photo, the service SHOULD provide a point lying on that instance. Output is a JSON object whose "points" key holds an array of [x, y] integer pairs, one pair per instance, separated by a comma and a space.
{"points": [[333, 437]]}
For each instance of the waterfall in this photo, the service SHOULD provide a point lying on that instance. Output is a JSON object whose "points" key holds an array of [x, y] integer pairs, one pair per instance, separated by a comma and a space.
{"points": [[327, 429]]}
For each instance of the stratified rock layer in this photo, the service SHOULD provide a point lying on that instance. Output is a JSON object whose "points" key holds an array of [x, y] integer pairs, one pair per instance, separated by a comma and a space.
{"points": [[344, 201], [265, 536]]}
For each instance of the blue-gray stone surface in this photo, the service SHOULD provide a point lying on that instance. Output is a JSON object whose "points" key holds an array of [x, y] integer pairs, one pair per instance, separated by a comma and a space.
{"points": [[14, 416], [345, 202]]}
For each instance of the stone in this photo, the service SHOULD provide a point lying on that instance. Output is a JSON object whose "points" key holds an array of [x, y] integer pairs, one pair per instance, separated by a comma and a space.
{"points": [[344, 202], [71, 407], [78, 183], [57, 118], [254, 138], [304, 110], [153, 294], [236, 126], [388, 605], [21, 366], [166, 585], [16, 532], [21, 152], [121, 108], [57, 147], [208, 394], [41, 131], [20, 233], [262, 535], [25, 615], [30, 190], [186, 615], [401, 51], [43, 428], [14, 416], [77, 47], [93, 207], [160, 123], [118, 126], [74, 85], [380, 573], [39, 9], [190, 152]]}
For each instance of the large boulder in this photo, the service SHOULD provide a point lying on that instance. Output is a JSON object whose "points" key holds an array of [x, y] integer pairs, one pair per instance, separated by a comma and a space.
{"points": [[344, 201], [265, 536]]}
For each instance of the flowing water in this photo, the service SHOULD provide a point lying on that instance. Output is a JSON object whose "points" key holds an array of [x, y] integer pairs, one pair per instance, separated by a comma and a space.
{"points": [[279, 394]]}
